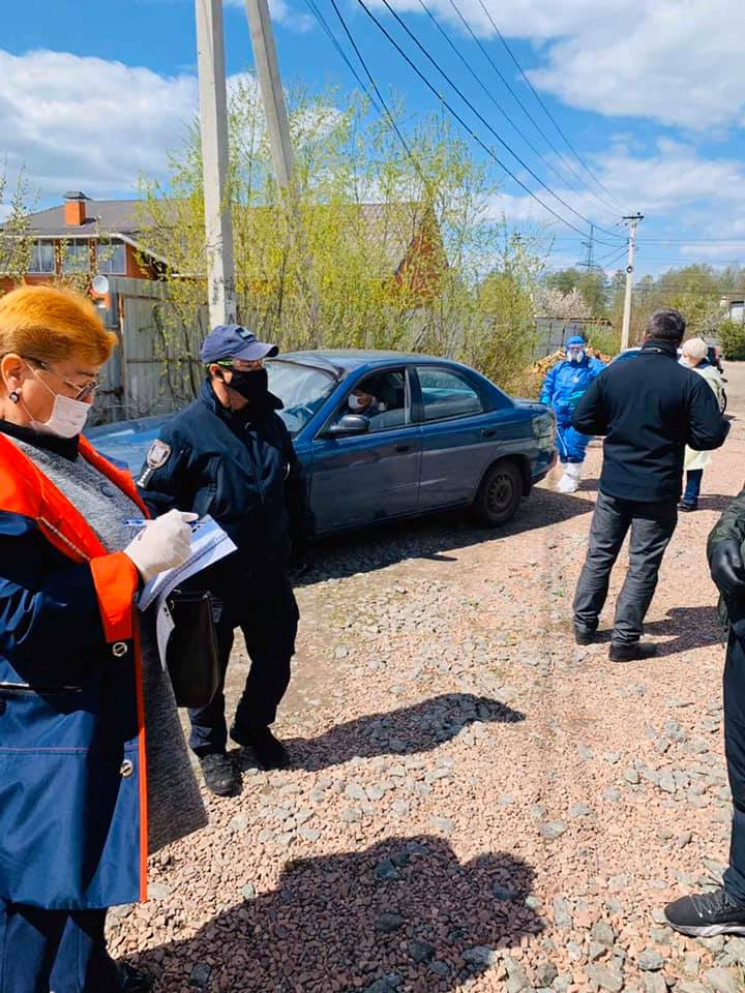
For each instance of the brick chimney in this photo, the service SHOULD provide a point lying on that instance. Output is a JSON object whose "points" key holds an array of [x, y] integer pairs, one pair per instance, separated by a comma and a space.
{"points": [[75, 215]]}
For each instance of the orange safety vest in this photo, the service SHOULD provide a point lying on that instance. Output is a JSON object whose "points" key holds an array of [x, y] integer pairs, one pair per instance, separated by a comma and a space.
{"points": [[27, 491]]}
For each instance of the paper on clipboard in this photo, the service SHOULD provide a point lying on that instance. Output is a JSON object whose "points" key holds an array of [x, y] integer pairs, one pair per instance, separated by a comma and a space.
{"points": [[209, 544], [163, 628]]}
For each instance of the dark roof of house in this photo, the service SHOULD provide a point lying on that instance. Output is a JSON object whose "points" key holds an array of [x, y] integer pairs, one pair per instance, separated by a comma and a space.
{"points": [[394, 227], [107, 216]]}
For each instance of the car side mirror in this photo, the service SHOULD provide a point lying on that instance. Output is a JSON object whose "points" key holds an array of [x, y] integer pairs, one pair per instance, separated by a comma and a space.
{"points": [[349, 424]]}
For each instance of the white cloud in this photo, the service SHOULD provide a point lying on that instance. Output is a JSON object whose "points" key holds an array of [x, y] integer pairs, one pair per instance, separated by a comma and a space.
{"points": [[85, 123], [678, 62], [82, 123], [690, 195]]}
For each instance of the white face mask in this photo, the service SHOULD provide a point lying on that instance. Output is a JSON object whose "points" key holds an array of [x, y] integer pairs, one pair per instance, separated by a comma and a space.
{"points": [[68, 417], [576, 354], [356, 405]]}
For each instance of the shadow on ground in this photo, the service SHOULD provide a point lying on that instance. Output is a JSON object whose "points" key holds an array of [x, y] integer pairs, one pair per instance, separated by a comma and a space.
{"points": [[407, 731], [403, 914], [431, 537], [690, 627], [714, 501]]}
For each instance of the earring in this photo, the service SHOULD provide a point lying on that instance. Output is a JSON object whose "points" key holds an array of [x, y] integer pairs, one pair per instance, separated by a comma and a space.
{"points": [[14, 396]]}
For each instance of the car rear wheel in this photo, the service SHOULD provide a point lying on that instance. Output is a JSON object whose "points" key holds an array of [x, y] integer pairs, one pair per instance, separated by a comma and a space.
{"points": [[499, 494]]}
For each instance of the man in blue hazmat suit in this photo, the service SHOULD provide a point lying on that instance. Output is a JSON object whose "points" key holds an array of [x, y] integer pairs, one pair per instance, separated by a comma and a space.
{"points": [[563, 388]]}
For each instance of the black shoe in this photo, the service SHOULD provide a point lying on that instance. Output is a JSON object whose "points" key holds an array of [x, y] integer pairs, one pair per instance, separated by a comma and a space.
{"points": [[270, 753], [634, 651], [705, 915], [132, 981], [220, 775], [687, 508], [583, 636]]}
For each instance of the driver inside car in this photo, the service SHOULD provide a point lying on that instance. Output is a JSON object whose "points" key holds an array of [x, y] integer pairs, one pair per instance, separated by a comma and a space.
{"points": [[361, 402]]}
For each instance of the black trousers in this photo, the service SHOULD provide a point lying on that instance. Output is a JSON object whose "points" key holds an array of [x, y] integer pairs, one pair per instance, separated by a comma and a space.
{"points": [[263, 606], [734, 748], [652, 526], [54, 949]]}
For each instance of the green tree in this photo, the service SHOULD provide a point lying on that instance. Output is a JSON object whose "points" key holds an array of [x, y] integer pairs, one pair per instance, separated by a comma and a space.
{"points": [[15, 242], [318, 266]]}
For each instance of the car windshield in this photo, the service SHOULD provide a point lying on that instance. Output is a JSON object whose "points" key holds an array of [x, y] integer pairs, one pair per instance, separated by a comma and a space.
{"points": [[301, 388]]}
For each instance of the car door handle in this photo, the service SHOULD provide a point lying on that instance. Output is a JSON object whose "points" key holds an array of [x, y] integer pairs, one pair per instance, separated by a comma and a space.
{"points": [[402, 448], [489, 433]]}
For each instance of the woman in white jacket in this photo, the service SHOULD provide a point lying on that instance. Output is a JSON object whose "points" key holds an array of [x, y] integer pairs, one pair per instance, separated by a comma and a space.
{"points": [[695, 352]]}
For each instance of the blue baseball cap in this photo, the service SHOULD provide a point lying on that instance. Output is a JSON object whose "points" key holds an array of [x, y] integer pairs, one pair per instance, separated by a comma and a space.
{"points": [[576, 341], [232, 341]]}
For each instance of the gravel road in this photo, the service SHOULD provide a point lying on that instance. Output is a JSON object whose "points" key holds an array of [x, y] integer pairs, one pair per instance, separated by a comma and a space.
{"points": [[476, 804]]}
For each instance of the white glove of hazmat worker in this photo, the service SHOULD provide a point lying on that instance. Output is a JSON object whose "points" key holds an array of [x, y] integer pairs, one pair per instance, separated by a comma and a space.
{"points": [[162, 544]]}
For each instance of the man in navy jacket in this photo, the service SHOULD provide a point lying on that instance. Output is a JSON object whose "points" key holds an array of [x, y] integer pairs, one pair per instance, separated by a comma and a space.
{"points": [[230, 455], [648, 409]]}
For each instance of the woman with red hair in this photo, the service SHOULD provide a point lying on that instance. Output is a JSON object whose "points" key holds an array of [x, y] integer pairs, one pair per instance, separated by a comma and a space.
{"points": [[84, 793]]}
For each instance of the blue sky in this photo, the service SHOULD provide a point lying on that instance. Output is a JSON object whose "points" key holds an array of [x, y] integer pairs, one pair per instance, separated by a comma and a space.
{"points": [[651, 96]]}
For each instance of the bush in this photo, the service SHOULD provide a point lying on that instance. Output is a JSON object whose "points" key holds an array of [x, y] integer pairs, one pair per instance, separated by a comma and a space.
{"points": [[732, 340], [604, 339]]}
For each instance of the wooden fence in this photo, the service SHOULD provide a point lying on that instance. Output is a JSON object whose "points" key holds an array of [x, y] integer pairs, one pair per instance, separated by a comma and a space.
{"points": [[150, 372]]}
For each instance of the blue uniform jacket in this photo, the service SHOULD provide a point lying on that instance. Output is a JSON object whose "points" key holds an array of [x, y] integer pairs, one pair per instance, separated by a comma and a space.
{"points": [[565, 385], [73, 817], [242, 470]]}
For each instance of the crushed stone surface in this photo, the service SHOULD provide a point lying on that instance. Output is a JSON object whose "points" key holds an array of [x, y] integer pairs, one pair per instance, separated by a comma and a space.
{"points": [[475, 802]]}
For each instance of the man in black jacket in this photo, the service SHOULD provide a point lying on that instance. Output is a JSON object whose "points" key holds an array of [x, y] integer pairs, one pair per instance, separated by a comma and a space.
{"points": [[722, 911], [648, 408], [229, 455]]}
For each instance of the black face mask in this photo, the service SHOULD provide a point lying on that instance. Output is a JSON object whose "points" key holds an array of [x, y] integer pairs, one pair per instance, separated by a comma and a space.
{"points": [[253, 386]]}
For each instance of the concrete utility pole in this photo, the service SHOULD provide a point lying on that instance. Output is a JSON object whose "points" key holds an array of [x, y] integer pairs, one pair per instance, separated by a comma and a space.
{"points": [[272, 94], [633, 220], [213, 115]]}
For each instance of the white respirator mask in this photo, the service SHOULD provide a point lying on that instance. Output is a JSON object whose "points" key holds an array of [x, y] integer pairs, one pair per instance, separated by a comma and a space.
{"points": [[356, 405], [68, 417]]}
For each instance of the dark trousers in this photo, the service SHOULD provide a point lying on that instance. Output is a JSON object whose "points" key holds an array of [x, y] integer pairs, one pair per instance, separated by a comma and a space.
{"points": [[60, 950], [265, 609], [693, 487], [652, 526], [734, 748]]}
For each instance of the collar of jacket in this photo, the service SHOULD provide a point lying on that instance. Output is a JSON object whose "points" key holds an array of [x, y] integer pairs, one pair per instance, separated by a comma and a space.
{"points": [[661, 347], [66, 447], [26, 490], [239, 417]]}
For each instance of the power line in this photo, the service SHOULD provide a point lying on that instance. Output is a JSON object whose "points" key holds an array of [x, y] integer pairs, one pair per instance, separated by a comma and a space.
{"points": [[691, 241], [607, 264], [498, 106], [548, 113], [323, 23], [457, 116], [383, 108]]}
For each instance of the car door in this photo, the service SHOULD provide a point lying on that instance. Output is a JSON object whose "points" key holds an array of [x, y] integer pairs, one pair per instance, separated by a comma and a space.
{"points": [[458, 435], [365, 478]]}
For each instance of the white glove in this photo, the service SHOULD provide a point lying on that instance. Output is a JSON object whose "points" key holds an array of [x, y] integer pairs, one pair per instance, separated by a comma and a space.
{"points": [[162, 544]]}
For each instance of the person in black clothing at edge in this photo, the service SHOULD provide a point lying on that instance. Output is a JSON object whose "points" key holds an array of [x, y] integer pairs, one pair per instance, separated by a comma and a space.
{"points": [[648, 408], [706, 915], [229, 454]]}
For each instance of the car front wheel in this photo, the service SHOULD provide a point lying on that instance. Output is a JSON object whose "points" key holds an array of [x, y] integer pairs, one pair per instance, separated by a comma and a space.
{"points": [[499, 494]]}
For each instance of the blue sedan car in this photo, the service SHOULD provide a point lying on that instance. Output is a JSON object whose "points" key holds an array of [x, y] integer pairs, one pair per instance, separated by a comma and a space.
{"points": [[436, 435]]}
